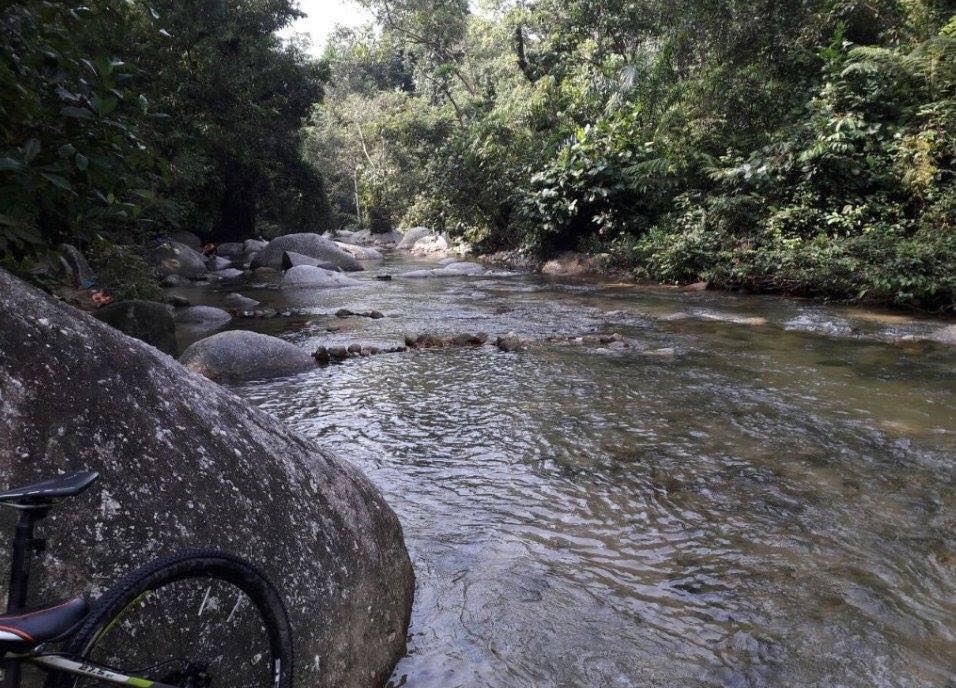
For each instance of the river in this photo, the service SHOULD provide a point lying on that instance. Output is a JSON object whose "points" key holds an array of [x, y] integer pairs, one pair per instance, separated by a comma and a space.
{"points": [[769, 501]]}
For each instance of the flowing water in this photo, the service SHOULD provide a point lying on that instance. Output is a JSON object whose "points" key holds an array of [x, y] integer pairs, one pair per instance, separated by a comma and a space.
{"points": [[767, 502]]}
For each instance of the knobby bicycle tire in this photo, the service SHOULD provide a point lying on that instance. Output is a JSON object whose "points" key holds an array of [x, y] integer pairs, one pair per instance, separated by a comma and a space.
{"points": [[193, 565]]}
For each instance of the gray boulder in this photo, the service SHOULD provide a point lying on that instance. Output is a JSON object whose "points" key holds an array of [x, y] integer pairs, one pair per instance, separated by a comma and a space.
{"points": [[240, 301], [188, 238], [360, 252], [218, 263], [411, 237], [228, 275], [253, 245], [147, 321], [204, 317], [174, 258], [311, 245], [239, 355], [231, 249], [291, 259], [185, 463], [364, 237], [450, 270], [432, 245], [309, 276]]}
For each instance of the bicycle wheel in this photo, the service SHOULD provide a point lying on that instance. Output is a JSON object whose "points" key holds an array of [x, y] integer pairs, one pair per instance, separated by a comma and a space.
{"points": [[195, 619]]}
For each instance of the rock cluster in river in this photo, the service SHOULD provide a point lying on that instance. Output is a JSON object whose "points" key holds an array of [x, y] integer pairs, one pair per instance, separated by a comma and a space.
{"points": [[346, 313], [325, 355], [307, 244]]}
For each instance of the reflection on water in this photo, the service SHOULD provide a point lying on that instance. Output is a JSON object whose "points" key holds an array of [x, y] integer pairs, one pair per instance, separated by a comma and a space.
{"points": [[773, 506]]}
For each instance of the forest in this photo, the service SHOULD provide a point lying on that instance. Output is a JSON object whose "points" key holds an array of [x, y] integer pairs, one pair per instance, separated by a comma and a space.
{"points": [[796, 147]]}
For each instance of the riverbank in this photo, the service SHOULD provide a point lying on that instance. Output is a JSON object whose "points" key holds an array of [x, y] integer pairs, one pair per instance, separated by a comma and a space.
{"points": [[608, 266]]}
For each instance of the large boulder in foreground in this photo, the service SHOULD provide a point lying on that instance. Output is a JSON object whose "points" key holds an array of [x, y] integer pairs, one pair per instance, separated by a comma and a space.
{"points": [[185, 463], [239, 355], [312, 245], [147, 321]]}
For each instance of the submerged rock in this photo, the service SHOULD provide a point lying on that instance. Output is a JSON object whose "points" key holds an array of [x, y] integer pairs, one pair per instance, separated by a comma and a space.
{"points": [[325, 355], [346, 313], [452, 269], [177, 301], [147, 321], [435, 341], [307, 244], [227, 275], [185, 463], [240, 301], [309, 276], [239, 355], [207, 317], [511, 343]]}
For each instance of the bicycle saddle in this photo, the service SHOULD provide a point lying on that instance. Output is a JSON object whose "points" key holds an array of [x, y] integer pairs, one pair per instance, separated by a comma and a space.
{"points": [[34, 626], [49, 491]]}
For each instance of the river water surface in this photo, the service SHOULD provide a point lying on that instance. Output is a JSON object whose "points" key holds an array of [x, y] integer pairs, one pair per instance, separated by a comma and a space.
{"points": [[767, 502]]}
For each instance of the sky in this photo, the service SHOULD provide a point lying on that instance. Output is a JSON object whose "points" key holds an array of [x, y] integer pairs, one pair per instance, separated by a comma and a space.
{"points": [[322, 17]]}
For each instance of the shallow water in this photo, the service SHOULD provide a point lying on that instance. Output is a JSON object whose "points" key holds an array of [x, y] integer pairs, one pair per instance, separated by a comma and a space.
{"points": [[770, 505]]}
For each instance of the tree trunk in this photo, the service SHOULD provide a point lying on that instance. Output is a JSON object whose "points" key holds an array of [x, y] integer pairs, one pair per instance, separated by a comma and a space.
{"points": [[237, 213]]}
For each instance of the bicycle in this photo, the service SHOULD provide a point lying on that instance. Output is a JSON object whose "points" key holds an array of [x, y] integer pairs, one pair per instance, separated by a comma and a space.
{"points": [[169, 624]]}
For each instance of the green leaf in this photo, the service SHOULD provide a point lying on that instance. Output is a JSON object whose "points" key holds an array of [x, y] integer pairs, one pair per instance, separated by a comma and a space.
{"points": [[10, 165], [30, 150], [58, 181], [76, 112], [82, 162], [104, 106]]}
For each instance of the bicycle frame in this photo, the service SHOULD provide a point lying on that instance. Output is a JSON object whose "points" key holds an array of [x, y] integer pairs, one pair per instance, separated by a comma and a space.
{"points": [[25, 544], [61, 663]]}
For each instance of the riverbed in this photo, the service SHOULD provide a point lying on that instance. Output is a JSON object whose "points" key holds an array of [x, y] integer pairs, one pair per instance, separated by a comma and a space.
{"points": [[758, 491]]}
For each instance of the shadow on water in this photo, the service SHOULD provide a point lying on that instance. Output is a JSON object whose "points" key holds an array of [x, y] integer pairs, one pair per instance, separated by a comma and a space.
{"points": [[771, 506]]}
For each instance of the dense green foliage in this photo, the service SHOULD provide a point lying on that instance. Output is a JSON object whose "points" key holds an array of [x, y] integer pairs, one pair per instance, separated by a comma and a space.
{"points": [[804, 147], [127, 119]]}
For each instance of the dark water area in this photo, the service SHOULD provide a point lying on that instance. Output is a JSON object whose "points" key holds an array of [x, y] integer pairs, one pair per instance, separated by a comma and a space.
{"points": [[758, 492]]}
